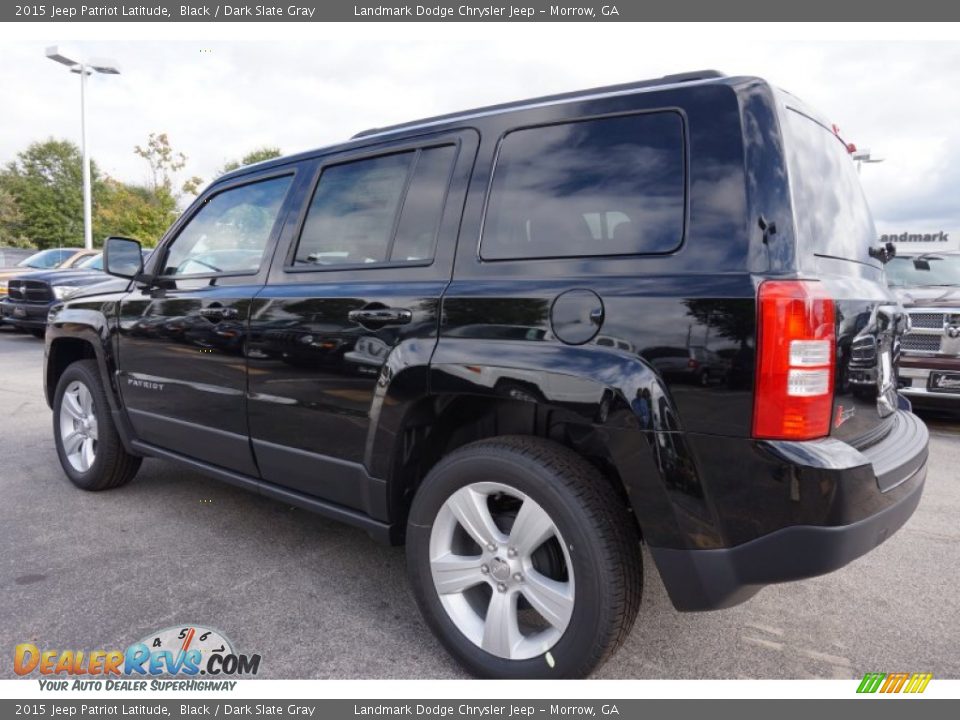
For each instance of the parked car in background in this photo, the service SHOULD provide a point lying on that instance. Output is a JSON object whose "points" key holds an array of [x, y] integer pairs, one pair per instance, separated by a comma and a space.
{"points": [[31, 295], [928, 286], [53, 258]]}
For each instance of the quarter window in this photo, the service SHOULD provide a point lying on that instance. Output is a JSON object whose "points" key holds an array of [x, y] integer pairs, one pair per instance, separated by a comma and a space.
{"points": [[378, 210], [230, 232], [613, 186]]}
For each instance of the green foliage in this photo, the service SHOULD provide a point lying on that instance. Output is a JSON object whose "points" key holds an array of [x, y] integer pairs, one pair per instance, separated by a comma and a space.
{"points": [[134, 211], [11, 220], [45, 182], [254, 156], [41, 196]]}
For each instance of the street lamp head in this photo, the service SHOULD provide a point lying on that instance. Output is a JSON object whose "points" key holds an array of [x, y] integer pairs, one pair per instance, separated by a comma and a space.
{"points": [[864, 156], [103, 65], [100, 65], [53, 52]]}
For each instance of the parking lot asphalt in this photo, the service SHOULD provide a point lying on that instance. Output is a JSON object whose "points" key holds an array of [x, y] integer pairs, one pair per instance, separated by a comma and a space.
{"points": [[317, 599]]}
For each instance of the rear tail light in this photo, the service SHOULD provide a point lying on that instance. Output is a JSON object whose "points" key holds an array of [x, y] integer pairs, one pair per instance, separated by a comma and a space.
{"points": [[692, 364], [795, 361]]}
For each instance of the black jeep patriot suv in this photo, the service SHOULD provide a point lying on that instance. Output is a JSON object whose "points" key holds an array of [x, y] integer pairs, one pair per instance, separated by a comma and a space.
{"points": [[450, 333]]}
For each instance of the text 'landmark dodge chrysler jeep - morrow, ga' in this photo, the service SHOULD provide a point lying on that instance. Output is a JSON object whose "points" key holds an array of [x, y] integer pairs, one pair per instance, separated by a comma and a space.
{"points": [[477, 334]]}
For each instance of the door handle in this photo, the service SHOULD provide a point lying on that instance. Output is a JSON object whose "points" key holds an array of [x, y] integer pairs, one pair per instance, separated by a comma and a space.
{"points": [[217, 313], [380, 316]]}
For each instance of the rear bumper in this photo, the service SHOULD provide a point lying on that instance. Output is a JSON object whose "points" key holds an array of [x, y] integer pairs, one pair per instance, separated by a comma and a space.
{"points": [[722, 577]]}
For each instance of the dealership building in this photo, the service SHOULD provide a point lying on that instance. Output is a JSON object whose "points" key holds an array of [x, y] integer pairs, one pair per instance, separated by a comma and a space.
{"points": [[926, 241]]}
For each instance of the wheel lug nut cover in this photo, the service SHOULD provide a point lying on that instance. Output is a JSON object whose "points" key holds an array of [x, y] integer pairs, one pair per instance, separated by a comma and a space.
{"points": [[484, 569], [501, 587], [518, 577]]}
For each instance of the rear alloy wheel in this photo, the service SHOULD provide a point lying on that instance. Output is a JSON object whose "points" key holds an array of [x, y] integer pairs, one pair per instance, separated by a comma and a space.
{"points": [[90, 450], [524, 560], [512, 599]]}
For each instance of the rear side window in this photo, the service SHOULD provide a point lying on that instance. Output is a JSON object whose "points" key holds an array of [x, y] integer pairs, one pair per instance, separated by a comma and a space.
{"points": [[830, 211], [613, 186], [378, 210]]}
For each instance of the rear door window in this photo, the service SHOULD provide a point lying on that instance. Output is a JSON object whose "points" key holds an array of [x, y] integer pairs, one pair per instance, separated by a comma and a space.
{"points": [[831, 213], [610, 186], [378, 210]]}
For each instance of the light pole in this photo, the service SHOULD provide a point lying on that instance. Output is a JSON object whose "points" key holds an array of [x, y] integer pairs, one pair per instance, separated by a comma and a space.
{"points": [[84, 68]]}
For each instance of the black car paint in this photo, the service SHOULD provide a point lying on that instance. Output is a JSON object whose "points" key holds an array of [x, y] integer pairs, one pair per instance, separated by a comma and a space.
{"points": [[340, 430]]}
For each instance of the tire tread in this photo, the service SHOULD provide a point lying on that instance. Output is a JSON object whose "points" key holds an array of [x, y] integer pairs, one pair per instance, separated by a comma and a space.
{"points": [[604, 510], [117, 466]]}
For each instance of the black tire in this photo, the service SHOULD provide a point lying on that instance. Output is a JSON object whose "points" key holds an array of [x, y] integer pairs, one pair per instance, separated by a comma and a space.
{"points": [[112, 466], [599, 531], [38, 332]]}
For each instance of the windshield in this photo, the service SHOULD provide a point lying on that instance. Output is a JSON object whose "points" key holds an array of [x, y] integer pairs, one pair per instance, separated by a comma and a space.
{"points": [[45, 259], [92, 263], [902, 271]]}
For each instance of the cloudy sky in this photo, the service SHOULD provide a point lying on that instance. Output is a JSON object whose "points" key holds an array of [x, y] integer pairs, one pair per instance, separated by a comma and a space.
{"points": [[219, 99]]}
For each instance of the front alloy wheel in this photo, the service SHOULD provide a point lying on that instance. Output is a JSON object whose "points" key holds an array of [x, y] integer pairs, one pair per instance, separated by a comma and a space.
{"points": [[78, 426], [90, 450]]}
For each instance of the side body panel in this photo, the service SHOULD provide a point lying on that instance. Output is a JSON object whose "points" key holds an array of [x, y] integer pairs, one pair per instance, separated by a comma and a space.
{"points": [[500, 321], [182, 369], [322, 384]]}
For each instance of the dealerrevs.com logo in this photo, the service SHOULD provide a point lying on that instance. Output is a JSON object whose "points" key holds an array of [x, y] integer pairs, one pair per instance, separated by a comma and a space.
{"points": [[184, 657], [909, 683]]}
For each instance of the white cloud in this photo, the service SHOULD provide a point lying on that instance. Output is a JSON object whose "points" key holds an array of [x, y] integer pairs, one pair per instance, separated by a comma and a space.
{"points": [[897, 98]]}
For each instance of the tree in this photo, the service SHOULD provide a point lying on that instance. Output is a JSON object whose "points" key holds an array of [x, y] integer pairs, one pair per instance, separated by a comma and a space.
{"points": [[11, 220], [254, 156], [165, 166], [134, 211], [45, 182]]}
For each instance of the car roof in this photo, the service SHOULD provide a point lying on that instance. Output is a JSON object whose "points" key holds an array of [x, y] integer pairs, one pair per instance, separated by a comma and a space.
{"points": [[700, 77], [660, 82]]}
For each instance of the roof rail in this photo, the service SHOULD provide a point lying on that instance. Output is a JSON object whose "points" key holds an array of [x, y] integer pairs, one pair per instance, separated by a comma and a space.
{"points": [[665, 80]]}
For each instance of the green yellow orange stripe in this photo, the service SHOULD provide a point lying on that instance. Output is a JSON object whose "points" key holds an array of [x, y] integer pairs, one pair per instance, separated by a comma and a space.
{"points": [[894, 682]]}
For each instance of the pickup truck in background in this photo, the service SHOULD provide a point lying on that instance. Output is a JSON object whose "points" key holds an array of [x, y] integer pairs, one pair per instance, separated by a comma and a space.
{"points": [[928, 286]]}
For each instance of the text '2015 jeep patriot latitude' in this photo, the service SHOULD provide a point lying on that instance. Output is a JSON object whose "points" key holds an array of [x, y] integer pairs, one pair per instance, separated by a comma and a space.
{"points": [[463, 333]]}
